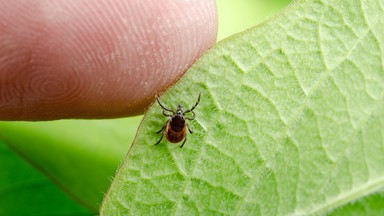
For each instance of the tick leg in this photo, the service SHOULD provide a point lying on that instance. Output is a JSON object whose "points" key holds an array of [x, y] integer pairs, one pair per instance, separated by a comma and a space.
{"points": [[166, 114], [194, 106], [189, 129], [193, 116], [161, 130], [165, 108], [161, 138], [183, 142]]}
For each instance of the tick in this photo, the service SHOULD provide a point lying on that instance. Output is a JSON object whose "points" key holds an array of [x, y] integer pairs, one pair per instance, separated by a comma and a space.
{"points": [[175, 128]]}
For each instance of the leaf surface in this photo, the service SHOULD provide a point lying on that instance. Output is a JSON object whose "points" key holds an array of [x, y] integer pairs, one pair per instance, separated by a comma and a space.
{"points": [[290, 121]]}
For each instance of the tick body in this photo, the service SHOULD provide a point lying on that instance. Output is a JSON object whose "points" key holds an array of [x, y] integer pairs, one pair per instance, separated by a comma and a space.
{"points": [[175, 128]]}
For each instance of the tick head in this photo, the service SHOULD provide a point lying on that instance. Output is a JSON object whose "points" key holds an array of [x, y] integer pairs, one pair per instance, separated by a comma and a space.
{"points": [[179, 110]]}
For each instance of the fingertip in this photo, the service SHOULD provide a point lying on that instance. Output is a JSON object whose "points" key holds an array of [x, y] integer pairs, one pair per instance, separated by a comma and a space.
{"points": [[96, 59]]}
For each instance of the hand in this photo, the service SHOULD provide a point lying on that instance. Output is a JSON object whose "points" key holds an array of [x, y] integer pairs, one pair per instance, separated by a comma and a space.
{"points": [[96, 58]]}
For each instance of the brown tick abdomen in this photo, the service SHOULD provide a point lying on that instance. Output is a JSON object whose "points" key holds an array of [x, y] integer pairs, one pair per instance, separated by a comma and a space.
{"points": [[173, 136]]}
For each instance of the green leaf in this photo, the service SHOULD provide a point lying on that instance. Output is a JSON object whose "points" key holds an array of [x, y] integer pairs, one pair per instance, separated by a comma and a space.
{"points": [[25, 191], [290, 121], [80, 156], [369, 205]]}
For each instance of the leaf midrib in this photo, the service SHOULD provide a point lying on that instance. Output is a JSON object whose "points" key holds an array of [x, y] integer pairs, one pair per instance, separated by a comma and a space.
{"points": [[355, 193]]}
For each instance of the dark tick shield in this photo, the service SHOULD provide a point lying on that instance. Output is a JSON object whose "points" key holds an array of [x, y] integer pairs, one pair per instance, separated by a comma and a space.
{"points": [[175, 128]]}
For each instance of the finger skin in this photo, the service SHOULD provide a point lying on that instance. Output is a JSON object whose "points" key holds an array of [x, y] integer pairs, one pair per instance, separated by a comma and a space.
{"points": [[96, 58]]}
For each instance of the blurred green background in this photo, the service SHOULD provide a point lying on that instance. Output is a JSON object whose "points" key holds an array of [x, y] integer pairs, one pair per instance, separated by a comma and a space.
{"points": [[65, 167], [237, 16]]}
